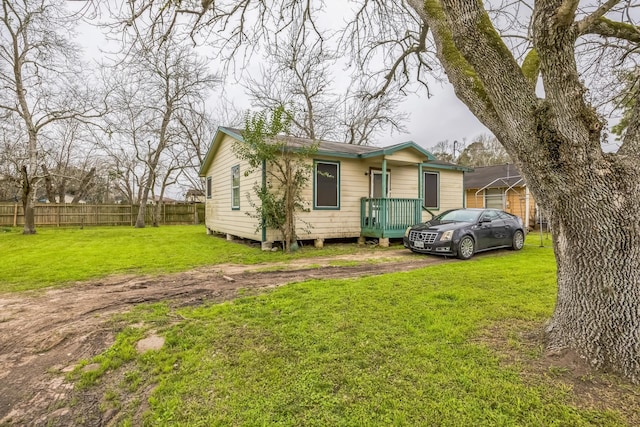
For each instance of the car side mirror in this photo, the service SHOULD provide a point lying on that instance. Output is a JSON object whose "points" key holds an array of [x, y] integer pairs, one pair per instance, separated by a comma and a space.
{"points": [[485, 220]]}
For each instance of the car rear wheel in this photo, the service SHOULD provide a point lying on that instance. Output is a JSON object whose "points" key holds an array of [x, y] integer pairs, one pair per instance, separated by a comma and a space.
{"points": [[466, 247], [518, 240]]}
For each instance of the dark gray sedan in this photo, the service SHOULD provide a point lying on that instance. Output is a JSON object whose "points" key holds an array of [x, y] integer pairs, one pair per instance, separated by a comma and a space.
{"points": [[464, 232]]}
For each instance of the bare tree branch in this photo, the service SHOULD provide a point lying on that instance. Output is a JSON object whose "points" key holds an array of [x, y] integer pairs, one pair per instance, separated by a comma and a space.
{"points": [[587, 22]]}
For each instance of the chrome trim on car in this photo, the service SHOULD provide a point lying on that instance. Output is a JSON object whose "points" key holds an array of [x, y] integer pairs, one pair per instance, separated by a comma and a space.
{"points": [[424, 236]]}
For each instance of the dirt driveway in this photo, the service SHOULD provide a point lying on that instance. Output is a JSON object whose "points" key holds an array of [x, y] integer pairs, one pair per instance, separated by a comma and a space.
{"points": [[44, 334]]}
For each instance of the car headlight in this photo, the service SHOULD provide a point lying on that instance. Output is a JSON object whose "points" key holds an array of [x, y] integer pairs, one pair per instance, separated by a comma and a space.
{"points": [[406, 232], [446, 236]]}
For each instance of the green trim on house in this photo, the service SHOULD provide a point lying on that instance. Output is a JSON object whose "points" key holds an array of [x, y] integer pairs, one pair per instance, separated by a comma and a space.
{"points": [[208, 158], [437, 174], [336, 150], [264, 185], [398, 147], [235, 207], [447, 167], [315, 184], [388, 217]]}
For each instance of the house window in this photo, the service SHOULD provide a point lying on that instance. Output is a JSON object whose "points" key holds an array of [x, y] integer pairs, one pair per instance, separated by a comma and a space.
{"points": [[431, 183], [494, 198], [209, 187], [235, 187], [326, 193]]}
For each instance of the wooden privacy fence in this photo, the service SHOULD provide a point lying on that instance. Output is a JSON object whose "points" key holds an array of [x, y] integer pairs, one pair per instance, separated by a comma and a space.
{"points": [[61, 215]]}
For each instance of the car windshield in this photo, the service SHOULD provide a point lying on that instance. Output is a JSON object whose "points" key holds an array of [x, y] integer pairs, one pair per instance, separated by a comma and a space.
{"points": [[460, 215]]}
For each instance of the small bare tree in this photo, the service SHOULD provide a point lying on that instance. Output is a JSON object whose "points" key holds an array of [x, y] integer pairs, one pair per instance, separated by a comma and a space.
{"points": [[300, 76], [160, 83]]}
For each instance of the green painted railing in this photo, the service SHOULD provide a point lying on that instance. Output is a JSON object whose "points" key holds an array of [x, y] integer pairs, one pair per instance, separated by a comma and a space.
{"points": [[388, 218]]}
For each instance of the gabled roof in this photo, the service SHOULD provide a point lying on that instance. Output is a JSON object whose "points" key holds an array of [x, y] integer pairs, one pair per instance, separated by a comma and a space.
{"points": [[498, 176], [333, 149]]}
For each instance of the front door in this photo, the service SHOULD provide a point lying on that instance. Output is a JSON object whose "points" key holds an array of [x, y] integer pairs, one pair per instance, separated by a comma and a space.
{"points": [[376, 184]]}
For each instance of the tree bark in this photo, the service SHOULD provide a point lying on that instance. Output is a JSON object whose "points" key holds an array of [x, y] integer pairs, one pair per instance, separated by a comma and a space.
{"points": [[593, 198], [48, 185], [27, 203], [83, 188], [597, 246]]}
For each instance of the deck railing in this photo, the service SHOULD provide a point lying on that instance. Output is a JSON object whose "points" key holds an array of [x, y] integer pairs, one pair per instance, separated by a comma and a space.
{"points": [[388, 217]]}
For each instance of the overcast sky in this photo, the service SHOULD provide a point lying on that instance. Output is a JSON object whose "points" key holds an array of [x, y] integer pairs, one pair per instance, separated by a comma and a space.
{"points": [[431, 120], [439, 118]]}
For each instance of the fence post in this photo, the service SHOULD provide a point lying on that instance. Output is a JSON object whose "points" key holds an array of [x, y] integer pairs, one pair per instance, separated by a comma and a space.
{"points": [[15, 215]]}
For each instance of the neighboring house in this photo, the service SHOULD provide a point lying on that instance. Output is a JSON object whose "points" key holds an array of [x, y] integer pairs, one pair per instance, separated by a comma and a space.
{"points": [[68, 198], [355, 191], [195, 195], [500, 187], [166, 200]]}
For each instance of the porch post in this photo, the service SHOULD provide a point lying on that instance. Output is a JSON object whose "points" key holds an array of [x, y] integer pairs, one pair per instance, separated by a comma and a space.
{"points": [[382, 214], [420, 183], [418, 212], [384, 178]]}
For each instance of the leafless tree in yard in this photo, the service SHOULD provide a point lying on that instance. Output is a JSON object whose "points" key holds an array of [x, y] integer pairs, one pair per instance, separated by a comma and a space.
{"points": [[69, 162], [494, 54], [196, 130], [364, 116], [160, 83], [299, 76], [40, 73], [11, 151], [443, 150]]}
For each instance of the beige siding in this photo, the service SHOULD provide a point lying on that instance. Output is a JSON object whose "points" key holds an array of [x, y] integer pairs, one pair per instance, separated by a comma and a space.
{"points": [[355, 175], [220, 217], [451, 191], [406, 156], [345, 222]]}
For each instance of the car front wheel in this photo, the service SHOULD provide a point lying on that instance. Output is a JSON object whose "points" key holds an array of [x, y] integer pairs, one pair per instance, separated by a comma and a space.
{"points": [[465, 247], [518, 240]]}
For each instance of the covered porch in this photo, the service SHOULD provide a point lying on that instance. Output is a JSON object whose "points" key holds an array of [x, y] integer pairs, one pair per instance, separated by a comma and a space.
{"points": [[388, 217]]}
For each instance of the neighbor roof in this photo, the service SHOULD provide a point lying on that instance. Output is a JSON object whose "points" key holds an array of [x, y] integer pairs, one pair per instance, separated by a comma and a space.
{"points": [[498, 176]]}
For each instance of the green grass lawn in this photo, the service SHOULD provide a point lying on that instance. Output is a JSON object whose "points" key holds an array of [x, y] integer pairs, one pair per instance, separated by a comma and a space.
{"points": [[402, 349], [57, 256]]}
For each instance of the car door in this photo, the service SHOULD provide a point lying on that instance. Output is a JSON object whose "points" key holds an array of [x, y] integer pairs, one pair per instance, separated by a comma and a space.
{"points": [[492, 229], [483, 232], [510, 226]]}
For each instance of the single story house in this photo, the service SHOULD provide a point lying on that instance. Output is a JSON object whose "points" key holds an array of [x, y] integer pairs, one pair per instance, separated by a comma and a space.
{"points": [[500, 187], [355, 191]]}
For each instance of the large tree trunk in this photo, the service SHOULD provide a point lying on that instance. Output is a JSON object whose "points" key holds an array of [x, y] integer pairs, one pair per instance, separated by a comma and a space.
{"points": [[596, 236], [593, 198], [142, 211]]}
